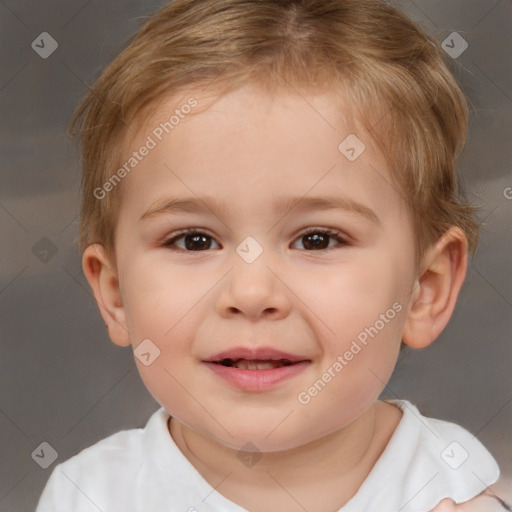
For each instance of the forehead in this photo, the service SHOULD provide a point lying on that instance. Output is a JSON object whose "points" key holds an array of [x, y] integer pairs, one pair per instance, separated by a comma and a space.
{"points": [[249, 146]]}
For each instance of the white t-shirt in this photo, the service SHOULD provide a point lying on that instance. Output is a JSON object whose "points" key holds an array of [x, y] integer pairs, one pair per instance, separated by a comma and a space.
{"points": [[143, 470]]}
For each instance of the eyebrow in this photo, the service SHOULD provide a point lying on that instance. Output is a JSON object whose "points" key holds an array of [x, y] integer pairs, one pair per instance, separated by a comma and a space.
{"points": [[281, 206]]}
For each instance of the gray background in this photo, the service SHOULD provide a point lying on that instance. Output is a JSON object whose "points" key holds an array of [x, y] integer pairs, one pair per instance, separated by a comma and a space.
{"points": [[64, 383]]}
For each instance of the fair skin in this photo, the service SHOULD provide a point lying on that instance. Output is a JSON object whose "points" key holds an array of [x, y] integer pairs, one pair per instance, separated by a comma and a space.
{"points": [[483, 503], [246, 151]]}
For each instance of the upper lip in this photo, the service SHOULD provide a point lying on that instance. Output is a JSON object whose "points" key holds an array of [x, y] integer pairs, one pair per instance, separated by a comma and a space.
{"points": [[255, 354]]}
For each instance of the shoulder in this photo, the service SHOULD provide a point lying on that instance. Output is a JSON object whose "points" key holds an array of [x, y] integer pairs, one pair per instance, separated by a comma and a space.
{"points": [[456, 451], [107, 467], [464, 468], [426, 461], [116, 450]]}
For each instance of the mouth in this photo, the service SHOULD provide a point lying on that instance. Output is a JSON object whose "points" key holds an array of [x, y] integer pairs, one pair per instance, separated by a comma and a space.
{"points": [[254, 364], [261, 358], [256, 370]]}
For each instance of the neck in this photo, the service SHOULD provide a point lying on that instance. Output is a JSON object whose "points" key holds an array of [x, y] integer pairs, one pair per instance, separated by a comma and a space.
{"points": [[319, 475]]}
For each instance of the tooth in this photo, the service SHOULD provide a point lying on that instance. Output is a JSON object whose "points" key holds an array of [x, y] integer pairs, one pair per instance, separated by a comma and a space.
{"points": [[245, 364]]}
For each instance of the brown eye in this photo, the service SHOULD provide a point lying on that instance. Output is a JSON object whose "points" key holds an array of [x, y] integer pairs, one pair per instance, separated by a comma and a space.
{"points": [[319, 239], [193, 241]]}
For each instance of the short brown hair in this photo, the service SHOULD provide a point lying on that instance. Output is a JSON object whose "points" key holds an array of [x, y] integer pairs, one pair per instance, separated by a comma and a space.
{"points": [[392, 71]]}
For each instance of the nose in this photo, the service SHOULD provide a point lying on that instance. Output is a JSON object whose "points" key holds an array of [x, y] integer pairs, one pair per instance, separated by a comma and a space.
{"points": [[254, 290]]}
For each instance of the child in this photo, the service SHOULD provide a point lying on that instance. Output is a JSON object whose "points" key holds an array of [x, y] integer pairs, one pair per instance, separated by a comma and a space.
{"points": [[269, 210]]}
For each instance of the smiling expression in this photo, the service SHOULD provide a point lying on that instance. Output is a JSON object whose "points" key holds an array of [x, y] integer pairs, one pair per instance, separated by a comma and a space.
{"points": [[252, 252]]}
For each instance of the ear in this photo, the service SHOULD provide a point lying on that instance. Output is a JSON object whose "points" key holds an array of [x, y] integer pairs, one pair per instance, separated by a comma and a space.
{"points": [[104, 282], [435, 292]]}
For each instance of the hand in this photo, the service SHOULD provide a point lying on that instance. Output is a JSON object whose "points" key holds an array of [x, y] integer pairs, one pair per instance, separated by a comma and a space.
{"points": [[446, 505], [482, 503]]}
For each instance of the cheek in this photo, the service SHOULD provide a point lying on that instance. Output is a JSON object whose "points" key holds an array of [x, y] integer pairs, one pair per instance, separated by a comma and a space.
{"points": [[158, 313], [343, 301], [361, 314], [165, 307], [155, 298], [356, 366]]}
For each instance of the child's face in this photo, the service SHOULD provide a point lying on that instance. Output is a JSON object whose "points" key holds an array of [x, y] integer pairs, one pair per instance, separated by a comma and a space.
{"points": [[310, 297]]}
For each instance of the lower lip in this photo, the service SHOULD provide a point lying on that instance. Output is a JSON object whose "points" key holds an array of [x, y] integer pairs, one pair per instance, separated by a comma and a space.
{"points": [[257, 380]]}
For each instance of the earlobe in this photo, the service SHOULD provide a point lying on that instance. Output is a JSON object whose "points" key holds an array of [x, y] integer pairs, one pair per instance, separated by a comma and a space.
{"points": [[436, 290], [103, 279]]}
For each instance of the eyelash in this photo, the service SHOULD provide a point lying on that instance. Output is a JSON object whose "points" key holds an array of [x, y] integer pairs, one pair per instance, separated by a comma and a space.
{"points": [[169, 243]]}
